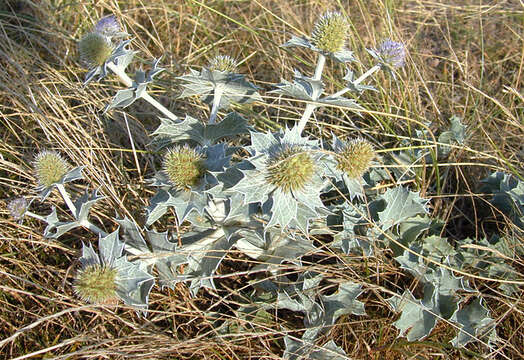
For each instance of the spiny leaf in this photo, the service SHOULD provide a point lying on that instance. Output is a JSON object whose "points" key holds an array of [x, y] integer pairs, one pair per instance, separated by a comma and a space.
{"points": [[401, 204]]}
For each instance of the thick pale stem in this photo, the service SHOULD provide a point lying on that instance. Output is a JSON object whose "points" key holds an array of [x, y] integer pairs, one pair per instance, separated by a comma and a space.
{"points": [[67, 199], [358, 81], [219, 90], [35, 216], [308, 111], [127, 81]]}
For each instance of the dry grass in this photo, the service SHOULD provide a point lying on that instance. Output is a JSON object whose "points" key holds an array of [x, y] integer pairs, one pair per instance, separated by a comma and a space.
{"points": [[466, 58]]}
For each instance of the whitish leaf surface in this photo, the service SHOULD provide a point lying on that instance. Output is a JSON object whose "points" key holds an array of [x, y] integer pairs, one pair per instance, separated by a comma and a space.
{"points": [[475, 323], [401, 204]]}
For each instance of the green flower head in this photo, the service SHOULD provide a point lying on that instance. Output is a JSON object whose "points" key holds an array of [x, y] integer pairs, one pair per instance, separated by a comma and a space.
{"points": [[355, 158], [184, 167], [96, 284], [330, 32], [290, 169], [50, 168], [95, 49], [223, 63]]}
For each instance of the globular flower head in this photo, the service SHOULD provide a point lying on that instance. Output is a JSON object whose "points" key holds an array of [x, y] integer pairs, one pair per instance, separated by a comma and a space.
{"points": [[355, 158], [96, 283], [330, 32], [184, 167], [108, 26], [223, 63], [95, 48], [392, 53], [290, 169], [17, 208], [50, 168]]}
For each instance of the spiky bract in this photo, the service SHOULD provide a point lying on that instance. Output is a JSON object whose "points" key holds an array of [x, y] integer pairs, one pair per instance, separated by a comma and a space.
{"points": [[330, 32], [17, 208], [97, 284], [223, 63], [184, 167], [290, 169], [95, 49], [355, 158], [392, 53], [50, 168]]}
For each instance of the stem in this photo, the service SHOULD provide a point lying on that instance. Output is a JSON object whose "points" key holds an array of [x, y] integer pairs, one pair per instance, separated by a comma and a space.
{"points": [[126, 80], [35, 216], [358, 81], [67, 199], [310, 107], [219, 90]]}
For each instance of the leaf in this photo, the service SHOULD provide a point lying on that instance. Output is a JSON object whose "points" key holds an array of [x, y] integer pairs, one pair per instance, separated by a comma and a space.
{"points": [[475, 323], [56, 228], [401, 205], [232, 125], [457, 134], [302, 88], [175, 132], [301, 350], [343, 302]]}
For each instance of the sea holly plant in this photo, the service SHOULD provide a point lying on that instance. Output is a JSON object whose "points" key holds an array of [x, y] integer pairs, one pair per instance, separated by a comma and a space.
{"points": [[266, 195]]}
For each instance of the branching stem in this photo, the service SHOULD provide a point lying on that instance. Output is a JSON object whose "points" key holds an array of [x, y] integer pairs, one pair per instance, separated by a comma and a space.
{"points": [[358, 81], [126, 80], [310, 107], [219, 90], [67, 199]]}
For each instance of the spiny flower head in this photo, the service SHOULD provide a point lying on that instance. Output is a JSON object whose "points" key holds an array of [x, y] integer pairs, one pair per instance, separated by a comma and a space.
{"points": [[223, 63], [330, 32], [95, 48], [50, 168], [290, 169], [355, 158], [108, 26], [392, 53], [184, 167], [96, 284], [17, 208]]}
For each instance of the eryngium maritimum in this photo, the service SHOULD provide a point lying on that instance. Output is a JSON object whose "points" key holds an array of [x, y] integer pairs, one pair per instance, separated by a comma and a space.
{"points": [[222, 63], [108, 26], [17, 208], [330, 32], [355, 158], [291, 169], [184, 167], [392, 53], [96, 284], [95, 49], [49, 168]]}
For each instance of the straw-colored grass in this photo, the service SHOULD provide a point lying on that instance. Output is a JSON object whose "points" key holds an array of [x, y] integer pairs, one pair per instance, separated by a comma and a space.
{"points": [[466, 58]]}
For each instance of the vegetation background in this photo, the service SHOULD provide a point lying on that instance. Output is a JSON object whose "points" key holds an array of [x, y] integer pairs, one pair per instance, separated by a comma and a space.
{"points": [[466, 58]]}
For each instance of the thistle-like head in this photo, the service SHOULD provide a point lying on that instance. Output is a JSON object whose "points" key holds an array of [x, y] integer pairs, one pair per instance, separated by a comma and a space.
{"points": [[290, 169], [108, 26], [96, 284], [17, 208], [184, 167], [330, 32], [50, 168], [223, 63], [355, 158], [95, 48], [392, 53]]}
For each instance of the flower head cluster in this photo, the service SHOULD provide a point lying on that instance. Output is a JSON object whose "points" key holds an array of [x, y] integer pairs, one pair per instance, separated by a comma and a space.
{"points": [[50, 168], [391, 53], [223, 63], [96, 47], [184, 167], [330, 32], [17, 208], [355, 158], [108, 277], [290, 169]]}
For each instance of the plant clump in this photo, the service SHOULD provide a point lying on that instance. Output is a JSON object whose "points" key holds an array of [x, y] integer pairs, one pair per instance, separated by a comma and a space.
{"points": [[96, 284], [184, 167], [50, 168], [291, 169], [330, 32], [95, 49], [355, 158]]}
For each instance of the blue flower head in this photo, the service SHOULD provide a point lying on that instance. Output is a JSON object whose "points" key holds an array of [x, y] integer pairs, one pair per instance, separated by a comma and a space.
{"points": [[392, 53], [108, 26]]}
